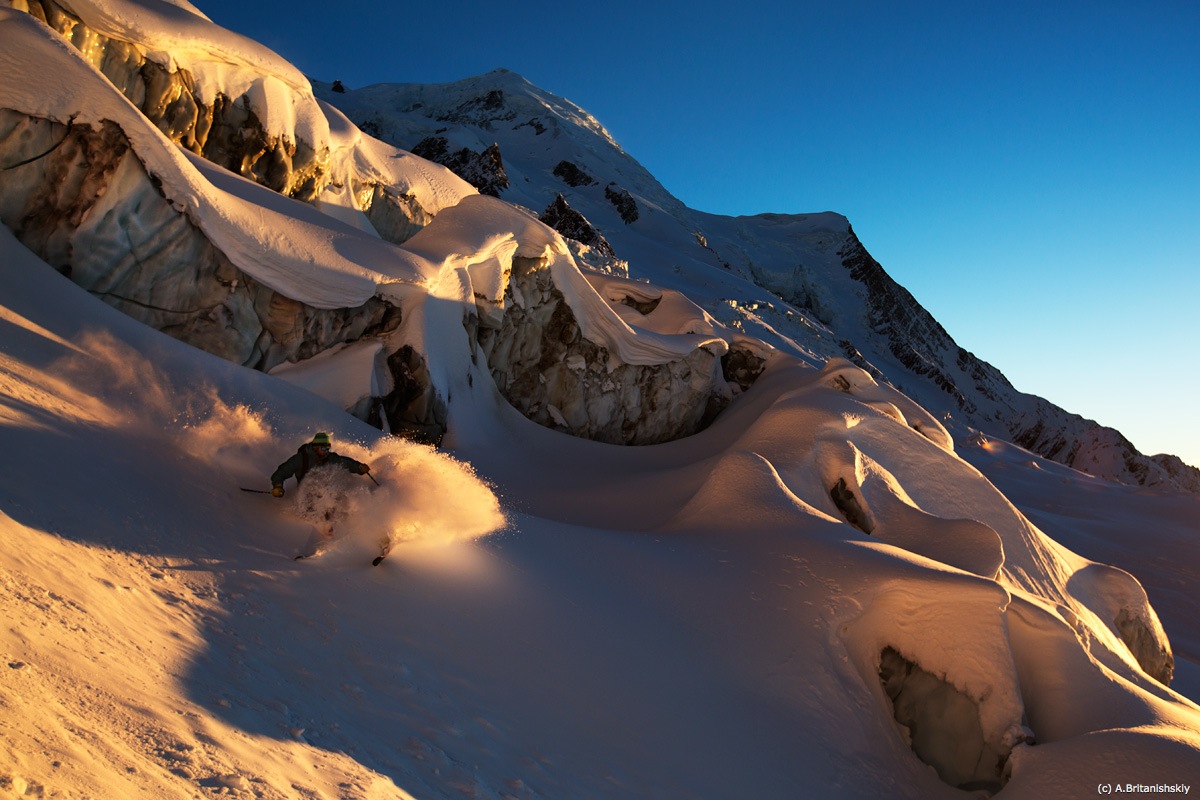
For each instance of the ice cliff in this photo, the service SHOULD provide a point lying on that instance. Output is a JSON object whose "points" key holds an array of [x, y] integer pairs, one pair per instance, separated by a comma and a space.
{"points": [[88, 196]]}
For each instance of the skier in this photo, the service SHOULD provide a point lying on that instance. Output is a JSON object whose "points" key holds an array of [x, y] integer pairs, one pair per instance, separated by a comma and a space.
{"points": [[313, 454]]}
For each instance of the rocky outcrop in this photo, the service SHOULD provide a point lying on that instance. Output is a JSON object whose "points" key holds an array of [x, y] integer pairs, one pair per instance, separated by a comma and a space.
{"points": [[741, 367], [483, 110], [1181, 473], [943, 725], [623, 202], [570, 223], [1148, 648], [847, 502], [545, 367], [227, 131], [484, 171], [412, 408], [572, 175], [1095, 449]]}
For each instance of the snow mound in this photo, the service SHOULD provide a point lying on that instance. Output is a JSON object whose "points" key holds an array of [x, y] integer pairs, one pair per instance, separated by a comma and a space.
{"points": [[1121, 606], [876, 503], [937, 650]]}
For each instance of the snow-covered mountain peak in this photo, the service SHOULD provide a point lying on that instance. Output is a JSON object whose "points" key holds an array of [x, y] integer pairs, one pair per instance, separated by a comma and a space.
{"points": [[489, 100], [535, 130]]}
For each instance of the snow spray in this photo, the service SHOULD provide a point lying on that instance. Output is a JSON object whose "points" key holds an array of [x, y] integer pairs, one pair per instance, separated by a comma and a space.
{"points": [[423, 497]]}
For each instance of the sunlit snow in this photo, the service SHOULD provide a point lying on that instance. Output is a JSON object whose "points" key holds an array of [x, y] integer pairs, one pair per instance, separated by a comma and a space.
{"points": [[820, 594]]}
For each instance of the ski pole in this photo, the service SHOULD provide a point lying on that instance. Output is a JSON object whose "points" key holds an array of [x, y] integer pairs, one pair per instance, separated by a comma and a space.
{"points": [[256, 491], [372, 477]]}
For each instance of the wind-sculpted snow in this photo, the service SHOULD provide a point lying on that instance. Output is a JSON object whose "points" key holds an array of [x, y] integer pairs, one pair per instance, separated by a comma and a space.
{"points": [[809, 591], [202, 226], [770, 463], [180, 244], [1120, 606], [210, 90], [239, 105], [923, 628], [182, 33], [89, 206]]}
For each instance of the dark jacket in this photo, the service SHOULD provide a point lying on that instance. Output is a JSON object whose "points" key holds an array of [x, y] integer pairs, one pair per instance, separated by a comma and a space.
{"points": [[305, 459]]}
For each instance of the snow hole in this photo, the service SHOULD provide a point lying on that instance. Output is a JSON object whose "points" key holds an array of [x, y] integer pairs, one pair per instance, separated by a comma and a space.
{"points": [[942, 724], [1146, 647], [850, 506]]}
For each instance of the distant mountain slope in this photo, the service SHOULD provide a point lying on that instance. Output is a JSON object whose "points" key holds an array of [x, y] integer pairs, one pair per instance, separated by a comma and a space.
{"points": [[804, 283]]}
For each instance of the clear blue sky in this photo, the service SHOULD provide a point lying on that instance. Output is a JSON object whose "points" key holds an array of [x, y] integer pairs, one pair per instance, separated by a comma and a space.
{"points": [[1030, 171]]}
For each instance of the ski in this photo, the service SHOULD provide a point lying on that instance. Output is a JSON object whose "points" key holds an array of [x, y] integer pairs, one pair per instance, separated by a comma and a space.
{"points": [[318, 543], [313, 554], [385, 547]]}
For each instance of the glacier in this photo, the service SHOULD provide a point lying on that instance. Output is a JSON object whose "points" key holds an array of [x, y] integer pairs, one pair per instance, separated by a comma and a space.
{"points": [[678, 538]]}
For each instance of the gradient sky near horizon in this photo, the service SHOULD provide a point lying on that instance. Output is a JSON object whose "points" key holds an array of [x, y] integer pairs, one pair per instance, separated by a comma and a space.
{"points": [[1030, 171]]}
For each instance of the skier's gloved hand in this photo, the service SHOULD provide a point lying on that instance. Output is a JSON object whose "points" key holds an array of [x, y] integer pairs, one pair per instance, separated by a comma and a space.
{"points": [[277, 491], [363, 469]]}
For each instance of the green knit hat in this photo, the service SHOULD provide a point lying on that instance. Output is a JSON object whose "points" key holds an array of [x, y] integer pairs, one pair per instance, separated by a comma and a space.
{"points": [[321, 440]]}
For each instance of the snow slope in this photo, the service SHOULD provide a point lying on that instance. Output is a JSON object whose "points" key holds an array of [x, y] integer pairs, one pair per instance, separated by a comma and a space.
{"points": [[688, 620], [560, 618]]}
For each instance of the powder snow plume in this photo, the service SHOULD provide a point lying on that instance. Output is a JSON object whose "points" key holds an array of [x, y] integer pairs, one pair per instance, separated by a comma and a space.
{"points": [[422, 497], [415, 496], [131, 390], [418, 499]]}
